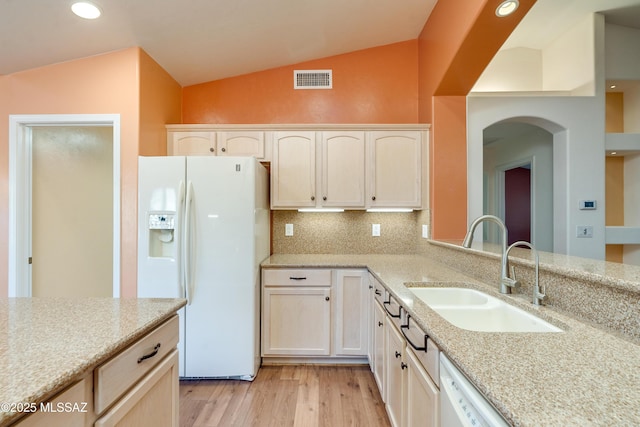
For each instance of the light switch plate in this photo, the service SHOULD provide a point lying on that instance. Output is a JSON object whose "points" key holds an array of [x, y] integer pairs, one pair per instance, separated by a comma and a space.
{"points": [[288, 229], [375, 230], [584, 231], [425, 231]]}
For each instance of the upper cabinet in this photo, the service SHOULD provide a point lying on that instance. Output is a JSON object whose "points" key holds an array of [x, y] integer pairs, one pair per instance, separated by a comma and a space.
{"points": [[293, 170], [184, 140], [343, 169], [323, 166], [191, 143], [241, 143], [394, 159]]}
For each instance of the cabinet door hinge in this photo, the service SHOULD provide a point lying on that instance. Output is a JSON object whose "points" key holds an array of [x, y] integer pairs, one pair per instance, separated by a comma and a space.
{"points": [[30, 260]]}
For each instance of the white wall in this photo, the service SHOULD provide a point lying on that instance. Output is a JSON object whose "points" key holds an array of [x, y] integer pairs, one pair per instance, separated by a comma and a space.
{"points": [[566, 66], [578, 128], [535, 146], [512, 70], [622, 57], [568, 62], [577, 125]]}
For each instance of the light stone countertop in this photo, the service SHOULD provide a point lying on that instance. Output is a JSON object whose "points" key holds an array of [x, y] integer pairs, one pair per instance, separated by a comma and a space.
{"points": [[47, 344], [581, 376]]}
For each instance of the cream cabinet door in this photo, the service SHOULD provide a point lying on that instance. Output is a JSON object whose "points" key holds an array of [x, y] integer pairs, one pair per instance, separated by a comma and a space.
{"points": [[152, 402], [293, 170], [395, 374], [422, 395], [241, 143], [191, 143], [343, 169], [296, 321], [379, 352], [351, 319], [395, 173]]}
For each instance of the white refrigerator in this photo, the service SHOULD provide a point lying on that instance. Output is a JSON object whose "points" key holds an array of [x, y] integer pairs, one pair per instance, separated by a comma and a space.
{"points": [[203, 230]]}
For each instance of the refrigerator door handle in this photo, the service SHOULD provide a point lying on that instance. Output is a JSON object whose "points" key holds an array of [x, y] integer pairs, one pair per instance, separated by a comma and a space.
{"points": [[181, 278], [187, 255]]}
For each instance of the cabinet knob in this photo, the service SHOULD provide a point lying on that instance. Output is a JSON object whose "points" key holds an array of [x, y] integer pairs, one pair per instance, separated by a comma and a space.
{"points": [[313, 198], [398, 354], [212, 149], [324, 197], [224, 149], [326, 298], [403, 365], [373, 197], [380, 323]]}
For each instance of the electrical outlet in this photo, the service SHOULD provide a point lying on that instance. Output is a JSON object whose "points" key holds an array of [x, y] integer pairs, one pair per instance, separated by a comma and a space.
{"points": [[584, 231], [375, 230], [288, 229]]}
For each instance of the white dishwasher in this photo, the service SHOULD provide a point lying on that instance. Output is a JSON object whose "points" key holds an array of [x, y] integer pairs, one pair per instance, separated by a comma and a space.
{"points": [[460, 403]]}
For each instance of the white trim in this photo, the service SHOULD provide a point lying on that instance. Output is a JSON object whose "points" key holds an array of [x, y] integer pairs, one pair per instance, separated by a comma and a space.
{"points": [[20, 153]]}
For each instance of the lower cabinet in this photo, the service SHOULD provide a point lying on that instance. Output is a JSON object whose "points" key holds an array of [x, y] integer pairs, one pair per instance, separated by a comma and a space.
{"points": [[422, 395], [396, 375], [296, 321], [138, 387], [379, 325], [320, 313], [411, 367], [152, 402]]}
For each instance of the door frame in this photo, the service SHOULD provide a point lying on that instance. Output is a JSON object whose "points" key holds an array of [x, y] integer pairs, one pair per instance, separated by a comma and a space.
{"points": [[20, 165]]}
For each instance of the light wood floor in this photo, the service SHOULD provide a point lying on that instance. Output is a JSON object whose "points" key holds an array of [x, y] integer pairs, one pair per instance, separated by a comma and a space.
{"points": [[280, 396]]}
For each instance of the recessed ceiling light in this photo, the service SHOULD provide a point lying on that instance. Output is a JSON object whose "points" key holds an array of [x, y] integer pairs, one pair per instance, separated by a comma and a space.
{"points": [[612, 87], [86, 10], [507, 7], [613, 153]]}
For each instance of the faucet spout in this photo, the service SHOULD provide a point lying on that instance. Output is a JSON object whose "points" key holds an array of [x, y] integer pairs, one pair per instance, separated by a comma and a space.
{"points": [[506, 283], [537, 295]]}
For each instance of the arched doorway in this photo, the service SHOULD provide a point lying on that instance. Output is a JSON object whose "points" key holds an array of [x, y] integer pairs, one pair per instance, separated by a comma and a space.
{"points": [[518, 180]]}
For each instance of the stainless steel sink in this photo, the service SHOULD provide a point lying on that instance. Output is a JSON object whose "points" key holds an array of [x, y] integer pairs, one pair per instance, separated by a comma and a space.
{"points": [[476, 311]]}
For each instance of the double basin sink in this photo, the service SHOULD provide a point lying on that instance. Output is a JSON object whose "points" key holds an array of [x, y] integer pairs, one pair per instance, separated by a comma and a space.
{"points": [[477, 311]]}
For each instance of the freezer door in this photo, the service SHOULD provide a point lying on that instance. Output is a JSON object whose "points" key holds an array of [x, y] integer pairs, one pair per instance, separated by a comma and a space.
{"points": [[161, 182], [222, 317]]}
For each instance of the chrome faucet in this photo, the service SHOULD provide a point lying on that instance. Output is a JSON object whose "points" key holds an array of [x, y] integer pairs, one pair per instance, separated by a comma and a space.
{"points": [[537, 295], [506, 283]]}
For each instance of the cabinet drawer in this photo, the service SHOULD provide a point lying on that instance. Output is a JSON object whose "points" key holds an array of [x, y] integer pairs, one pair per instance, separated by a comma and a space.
{"points": [[425, 350], [117, 375], [379, 291], [297, 277], [393, 309]]}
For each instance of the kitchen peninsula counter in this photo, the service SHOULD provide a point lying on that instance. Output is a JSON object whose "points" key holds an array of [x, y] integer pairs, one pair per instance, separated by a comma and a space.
{"points": [[584, 375], [49, 343]]}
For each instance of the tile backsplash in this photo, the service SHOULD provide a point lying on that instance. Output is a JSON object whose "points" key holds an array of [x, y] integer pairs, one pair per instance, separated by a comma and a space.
{"points": [[347, 232]]}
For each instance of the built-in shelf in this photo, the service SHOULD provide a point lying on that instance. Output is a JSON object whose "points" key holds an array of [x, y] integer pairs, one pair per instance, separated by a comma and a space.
{"points": [[623, 143], [620, 235]]}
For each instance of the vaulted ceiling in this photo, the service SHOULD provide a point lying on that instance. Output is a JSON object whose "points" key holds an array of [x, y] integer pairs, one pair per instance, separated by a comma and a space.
{"points": [[203, 40]]}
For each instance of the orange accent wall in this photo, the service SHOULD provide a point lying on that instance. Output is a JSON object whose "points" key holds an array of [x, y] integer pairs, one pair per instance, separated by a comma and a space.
{"points": [[377, 85], [456, 44], [103, 84], [160, 103]]}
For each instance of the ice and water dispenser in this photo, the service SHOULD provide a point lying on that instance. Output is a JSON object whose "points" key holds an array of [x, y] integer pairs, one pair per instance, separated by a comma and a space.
{"points": [[162, 239]]}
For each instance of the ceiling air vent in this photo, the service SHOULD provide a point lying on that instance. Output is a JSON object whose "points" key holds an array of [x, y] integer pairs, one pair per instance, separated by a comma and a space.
{"points": [[312, 79]]}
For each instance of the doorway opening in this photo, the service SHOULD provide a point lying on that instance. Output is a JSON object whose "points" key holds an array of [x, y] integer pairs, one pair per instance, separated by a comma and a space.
{"points": [[517, 203], [519, 184], [64, 205]]}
